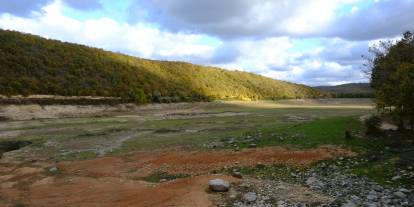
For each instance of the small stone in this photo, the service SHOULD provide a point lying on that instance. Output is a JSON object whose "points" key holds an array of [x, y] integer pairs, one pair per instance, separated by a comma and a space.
{"points": [[355, 198], [237, 175], [219, 185], [313, 182], [396, 178], [404, 190], [260, 165], [399, 194], [253, 145], [349, 204], [377, 188], [53, 169], [163, 180], [250, 197], [372, 197], [371, 204]]}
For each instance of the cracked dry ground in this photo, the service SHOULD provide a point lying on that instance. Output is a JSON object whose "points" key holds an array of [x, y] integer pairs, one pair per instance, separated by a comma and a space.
{"points": [[118, 180]]}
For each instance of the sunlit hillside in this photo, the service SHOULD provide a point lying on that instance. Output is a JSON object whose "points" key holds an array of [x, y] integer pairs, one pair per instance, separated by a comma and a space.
{"points": [[33, 65]]}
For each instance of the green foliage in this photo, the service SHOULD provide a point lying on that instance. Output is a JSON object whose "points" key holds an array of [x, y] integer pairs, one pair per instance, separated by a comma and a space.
{"points": [[392, 78], [33, 65], [159, 176]]}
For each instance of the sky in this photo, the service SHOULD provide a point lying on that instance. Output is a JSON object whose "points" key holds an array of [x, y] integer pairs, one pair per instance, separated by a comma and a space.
{"points": [[313, 42]]}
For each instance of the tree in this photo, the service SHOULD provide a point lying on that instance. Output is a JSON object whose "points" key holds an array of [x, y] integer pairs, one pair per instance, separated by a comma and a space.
{"points": [[392, 77]]}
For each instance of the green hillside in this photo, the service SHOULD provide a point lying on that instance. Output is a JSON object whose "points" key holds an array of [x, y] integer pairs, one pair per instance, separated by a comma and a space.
{"points": [[33, 65], [349, 90]]}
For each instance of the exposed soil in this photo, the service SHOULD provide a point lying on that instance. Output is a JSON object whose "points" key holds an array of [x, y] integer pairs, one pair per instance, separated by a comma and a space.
{"points": [[117, 181]]}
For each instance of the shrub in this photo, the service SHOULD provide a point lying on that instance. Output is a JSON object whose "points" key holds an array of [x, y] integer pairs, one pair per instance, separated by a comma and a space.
{"points": [[373, 125]]}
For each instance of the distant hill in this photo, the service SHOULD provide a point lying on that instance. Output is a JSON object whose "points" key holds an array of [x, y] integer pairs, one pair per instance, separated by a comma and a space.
{"points": [[31, 64], [349, 90]]}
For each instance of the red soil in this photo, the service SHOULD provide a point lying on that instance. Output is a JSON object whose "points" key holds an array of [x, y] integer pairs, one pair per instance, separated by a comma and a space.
{"points": [[114, 181]]}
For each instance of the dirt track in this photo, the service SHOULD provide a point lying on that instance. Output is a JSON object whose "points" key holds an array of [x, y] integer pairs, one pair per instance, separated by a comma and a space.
{"points": [[116, 181]]}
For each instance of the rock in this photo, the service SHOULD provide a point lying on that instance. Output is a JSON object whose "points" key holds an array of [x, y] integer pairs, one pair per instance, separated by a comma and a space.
{"points": [[349, 204], [237, 175], [399, 194], [280, 204], [260, 165], [372, 197], [377, 188], [250, 197], [404, 190], [355, 198], [396, 178], [253, 145], [219, 185], [314, 182], [371, 204], [53, 170], [163, 180]]}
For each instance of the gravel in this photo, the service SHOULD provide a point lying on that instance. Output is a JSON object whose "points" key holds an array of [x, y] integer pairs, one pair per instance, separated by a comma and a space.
{"points": [[326, 184]]}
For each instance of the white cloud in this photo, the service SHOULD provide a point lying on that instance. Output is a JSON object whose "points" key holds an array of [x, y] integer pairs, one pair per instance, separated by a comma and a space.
{"points": [[334, 60], [246, 18], [136, 39]]}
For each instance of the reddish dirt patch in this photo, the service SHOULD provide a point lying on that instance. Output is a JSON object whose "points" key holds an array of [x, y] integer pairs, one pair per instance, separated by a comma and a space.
{"points": [[113, 192], [196, 162], [114, 181]]}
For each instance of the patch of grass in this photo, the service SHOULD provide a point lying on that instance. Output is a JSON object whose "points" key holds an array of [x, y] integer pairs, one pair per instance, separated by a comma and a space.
{"points": [[329, 131], [397, 159], [384, 169], [159, 175], [380, 173], [84, 155], [274, 172]]}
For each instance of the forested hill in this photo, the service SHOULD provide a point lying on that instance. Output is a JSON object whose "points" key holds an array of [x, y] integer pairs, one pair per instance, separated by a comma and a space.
{"points": [[349, 90], [34, 65]]}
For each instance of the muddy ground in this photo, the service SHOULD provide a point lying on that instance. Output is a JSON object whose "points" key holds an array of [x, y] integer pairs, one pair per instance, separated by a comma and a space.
{"points": [[107, 159]]}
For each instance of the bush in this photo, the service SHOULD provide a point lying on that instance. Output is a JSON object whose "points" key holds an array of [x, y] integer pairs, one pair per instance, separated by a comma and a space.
{"points": [[373, 125]]}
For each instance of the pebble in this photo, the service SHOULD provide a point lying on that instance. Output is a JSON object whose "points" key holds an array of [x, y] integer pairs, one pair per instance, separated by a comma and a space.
{"points": [[250, 197], [350, 204], [53, 169], [237, 175], [396, 178], [219, 185], [399, 194]]}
